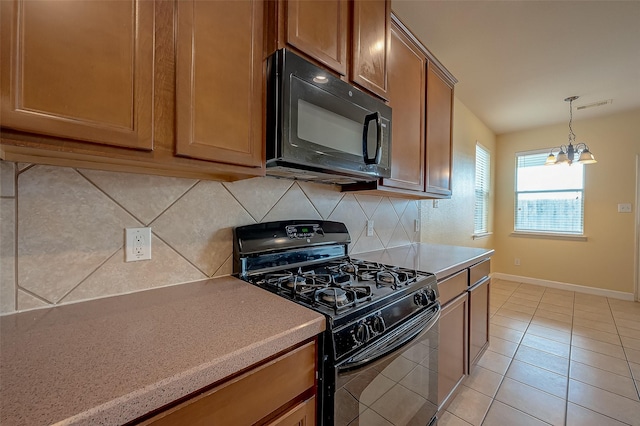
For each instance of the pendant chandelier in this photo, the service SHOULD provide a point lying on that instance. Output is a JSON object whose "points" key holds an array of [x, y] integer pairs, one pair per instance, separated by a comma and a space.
{"points": [[567, 153]]}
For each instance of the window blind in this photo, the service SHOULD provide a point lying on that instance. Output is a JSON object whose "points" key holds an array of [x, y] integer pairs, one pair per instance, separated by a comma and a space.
{"points": [[482, 185], [548, 198]]}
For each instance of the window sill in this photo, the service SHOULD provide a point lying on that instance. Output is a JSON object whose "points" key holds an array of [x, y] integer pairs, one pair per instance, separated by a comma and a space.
{"points": [[548, 236], [482, 235]]}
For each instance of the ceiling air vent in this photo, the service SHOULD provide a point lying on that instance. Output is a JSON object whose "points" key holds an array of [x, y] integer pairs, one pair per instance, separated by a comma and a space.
{"points": [[595, 104]]}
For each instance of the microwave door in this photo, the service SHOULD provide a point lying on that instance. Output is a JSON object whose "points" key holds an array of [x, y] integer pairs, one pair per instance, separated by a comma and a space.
{"points": [[325, 128]]}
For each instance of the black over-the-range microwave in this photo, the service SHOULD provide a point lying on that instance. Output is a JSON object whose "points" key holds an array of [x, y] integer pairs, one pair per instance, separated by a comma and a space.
{"points": [[320, 128]]}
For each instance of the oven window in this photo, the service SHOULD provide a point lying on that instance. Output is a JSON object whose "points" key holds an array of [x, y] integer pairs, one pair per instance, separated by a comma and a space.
{"points": [[400, 389]]}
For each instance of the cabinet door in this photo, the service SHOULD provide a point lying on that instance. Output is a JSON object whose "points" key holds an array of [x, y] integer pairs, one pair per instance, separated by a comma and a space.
{"points": [[439, 113], [452, 350], [319, 29], [478, 321], [219, 72], [303, 414], [79, 70], [407, 67], [371, 32]]}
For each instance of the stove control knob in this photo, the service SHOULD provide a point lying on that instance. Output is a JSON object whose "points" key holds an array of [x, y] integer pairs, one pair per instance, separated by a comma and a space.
{"points": [[431, 295], [421, 298], [361, 333], [377, 324]]}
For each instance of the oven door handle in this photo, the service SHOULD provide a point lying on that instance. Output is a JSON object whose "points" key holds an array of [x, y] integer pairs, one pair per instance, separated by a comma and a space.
{"points": [[394, 342]]}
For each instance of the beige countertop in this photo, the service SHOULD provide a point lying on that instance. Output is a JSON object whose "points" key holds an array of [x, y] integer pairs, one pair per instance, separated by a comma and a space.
{"points": [[442, 260], [112, 360]]}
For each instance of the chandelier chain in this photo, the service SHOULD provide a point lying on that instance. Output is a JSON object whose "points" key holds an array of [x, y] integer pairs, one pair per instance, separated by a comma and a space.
{"points": [[572, 136]]}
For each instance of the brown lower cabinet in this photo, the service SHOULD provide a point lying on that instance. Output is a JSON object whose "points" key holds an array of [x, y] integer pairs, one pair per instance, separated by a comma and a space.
{"points": [[452, 350], [464, 327], [280, 392]]}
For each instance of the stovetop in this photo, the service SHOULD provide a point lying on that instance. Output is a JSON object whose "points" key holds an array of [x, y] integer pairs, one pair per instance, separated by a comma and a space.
{"points": [[339, 287]]}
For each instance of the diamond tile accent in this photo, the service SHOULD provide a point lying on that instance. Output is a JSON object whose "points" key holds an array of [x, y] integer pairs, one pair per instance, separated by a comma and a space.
{"points": [[369, 203], [385, 221], [399, 204], [7, 179], [144, 196], [200, 225], [408, 218], [258, 195], [7, 255], [66, 229], [325, 198], [293, 205], [26, 301], [350, 212], [166, 267]]}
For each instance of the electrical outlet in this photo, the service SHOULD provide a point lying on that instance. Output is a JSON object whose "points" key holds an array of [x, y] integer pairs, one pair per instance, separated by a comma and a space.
{"points": [[624, 208], [436, 204], [416, 225], [137, 244], [369, 228], [516, 261]]}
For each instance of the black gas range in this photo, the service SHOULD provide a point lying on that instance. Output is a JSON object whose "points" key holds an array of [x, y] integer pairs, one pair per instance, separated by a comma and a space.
{"points": [[382, 320]]}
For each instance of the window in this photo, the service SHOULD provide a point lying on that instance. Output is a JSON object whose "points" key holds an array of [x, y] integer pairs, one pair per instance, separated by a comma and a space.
{"points": [[483, 175], [549, 199]]}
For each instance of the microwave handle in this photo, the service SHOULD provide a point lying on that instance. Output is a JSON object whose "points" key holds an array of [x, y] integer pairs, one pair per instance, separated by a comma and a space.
{"points": [[365, 146]]}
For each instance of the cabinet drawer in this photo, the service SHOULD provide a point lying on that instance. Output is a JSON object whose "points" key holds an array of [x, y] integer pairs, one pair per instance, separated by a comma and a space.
{"points": [[479, 271], [250, 397], [451, 287]]}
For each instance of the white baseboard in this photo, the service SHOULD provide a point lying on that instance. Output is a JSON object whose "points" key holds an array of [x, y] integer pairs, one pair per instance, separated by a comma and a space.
{"points": [[565, 286]]}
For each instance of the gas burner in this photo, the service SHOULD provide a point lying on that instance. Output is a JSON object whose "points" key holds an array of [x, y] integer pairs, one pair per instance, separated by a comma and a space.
{"points": [[333, 296], [287, 279]]}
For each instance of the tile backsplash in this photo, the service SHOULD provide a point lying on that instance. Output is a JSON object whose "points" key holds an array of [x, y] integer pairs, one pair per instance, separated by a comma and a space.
{"points": [[62, 229]]}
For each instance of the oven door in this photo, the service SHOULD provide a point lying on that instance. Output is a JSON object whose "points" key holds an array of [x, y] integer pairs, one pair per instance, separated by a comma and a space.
{"points": [[395, 380]]}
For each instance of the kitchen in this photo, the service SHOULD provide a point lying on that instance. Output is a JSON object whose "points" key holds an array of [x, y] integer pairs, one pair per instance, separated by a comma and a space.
{"points": [[191, 219]]}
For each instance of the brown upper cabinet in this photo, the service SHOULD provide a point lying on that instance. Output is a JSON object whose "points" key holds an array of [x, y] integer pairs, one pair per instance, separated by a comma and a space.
{"points": [[80, 70], [349, 37], [421, 97], [109, 85]]}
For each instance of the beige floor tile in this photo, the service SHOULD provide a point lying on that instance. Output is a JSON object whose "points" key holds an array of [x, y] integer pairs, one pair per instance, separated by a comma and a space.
{"points": [[625, 315], [598, 346], [470, 405], [567, 310], [541, 313], [503, 347], [630, 342], [539, 378], [558, 291], [546, 345], [520, 307], [509, 323], [629, 332], [590, 308], [495, 362], [633, 355], [590, 298], [530, 289], [604, 402], [596, 325], [556, 364], [580, 416], [448, 419], [601, 361], [602, 379], [484, 381], [505, 333], [549, 333], [624, 305], [510, 313], [628, 324], [501, 414], [556, 299], [592, 333], [527, 296], [635, 370], [551, 323], [595, 316], [532, 401]]}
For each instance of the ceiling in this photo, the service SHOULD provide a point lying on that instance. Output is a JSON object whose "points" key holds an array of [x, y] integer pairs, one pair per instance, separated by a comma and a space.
{"points": [[516, 61]]}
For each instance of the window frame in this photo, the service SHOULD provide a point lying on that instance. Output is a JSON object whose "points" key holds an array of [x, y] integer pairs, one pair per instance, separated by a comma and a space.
{"points": [[548, 233], [482, 202]]}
